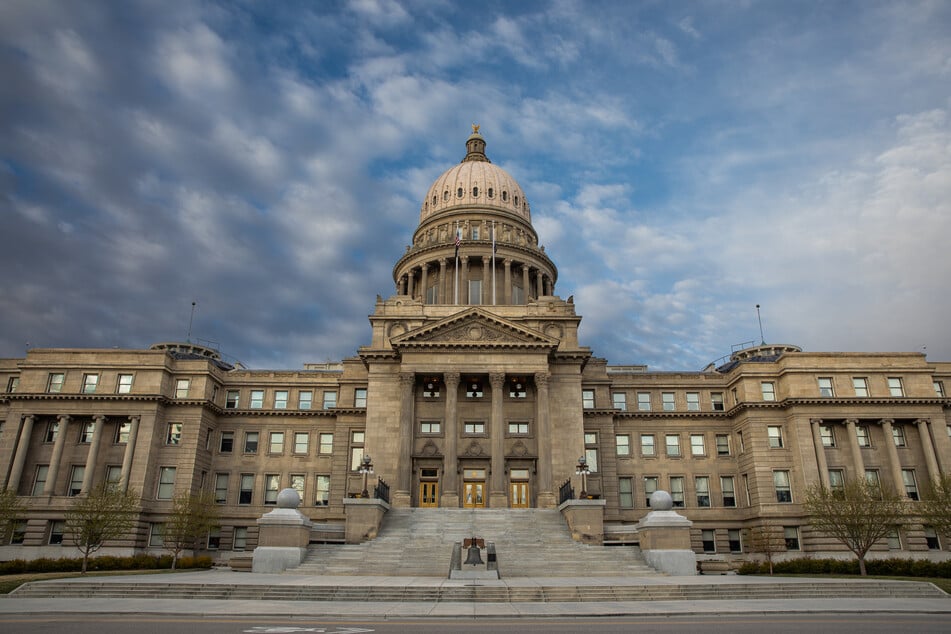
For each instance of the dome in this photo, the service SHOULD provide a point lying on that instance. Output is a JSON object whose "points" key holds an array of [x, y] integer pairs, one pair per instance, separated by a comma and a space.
{"points": [[475, 182]]}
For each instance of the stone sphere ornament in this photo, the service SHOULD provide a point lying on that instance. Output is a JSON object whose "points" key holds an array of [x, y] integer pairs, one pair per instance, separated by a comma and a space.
{"points": [[288, 499], [661, 501]]}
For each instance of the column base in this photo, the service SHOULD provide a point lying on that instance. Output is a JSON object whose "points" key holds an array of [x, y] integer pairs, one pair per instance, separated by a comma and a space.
{"points": [[498, 500], [546, 501], [449, 500], [401, 500]]}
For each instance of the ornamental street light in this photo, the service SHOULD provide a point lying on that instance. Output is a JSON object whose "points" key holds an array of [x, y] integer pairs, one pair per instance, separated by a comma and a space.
{"points": [[366, 468], [582, 470]]}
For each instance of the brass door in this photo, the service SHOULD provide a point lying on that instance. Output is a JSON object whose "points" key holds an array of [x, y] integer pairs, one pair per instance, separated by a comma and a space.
{"points": [[428, 494], [520, 495], [474, 495]]}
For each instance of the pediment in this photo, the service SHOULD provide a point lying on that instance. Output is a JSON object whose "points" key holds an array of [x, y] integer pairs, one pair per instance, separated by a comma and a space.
{"points": [[474, 328]]}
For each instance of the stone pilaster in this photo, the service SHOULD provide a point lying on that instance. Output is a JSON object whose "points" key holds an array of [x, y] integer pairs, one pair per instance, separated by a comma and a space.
{"points": [[820, 451], [498, 493], [19, 459], [546, 496], [857, 463], [57, 456], [402, 495], [441, 284], [927, 447], [129, 452], [449, 497], [99, 421], [507, 285], [894, 462]]}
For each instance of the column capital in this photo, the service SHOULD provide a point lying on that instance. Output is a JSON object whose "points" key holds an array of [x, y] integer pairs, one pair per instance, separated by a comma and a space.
{"points": [[443, 262], [507, 263], [887, 421], [29, 417], [451, 379], [63, 418], [486, 259], [464, 259], [922, 421], [99, 417], [407, 378], [851, 421], [497, 380], [542, 379], [816, 421], [134, 418]]}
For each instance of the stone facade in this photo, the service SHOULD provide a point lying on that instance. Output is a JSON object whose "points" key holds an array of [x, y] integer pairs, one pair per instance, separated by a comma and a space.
{"points": [[473, 391]]}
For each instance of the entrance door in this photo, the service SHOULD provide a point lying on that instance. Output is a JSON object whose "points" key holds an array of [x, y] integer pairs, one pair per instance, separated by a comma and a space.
{"points": [[428, 494], [473, 495], [520, 495]]}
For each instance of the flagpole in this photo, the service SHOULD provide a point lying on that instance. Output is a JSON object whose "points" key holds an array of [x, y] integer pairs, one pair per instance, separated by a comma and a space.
{"points": [[493, 263]]}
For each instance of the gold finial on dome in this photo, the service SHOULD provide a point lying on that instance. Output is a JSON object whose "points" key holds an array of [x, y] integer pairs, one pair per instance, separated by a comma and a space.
{"points": [[475, 128]]}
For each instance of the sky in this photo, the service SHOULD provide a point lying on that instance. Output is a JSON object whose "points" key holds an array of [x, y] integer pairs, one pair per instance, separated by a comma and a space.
{"points": [[684, 162]]}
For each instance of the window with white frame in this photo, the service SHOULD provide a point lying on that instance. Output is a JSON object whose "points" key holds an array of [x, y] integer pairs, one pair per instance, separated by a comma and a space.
{"points": [[587, 399], [166, 483], [910, 482], [272, 485], [938, 388], [693, 401], [124, 384], [861, 434], [827, 435], [296, 482], [435, 427], [626, 492], [322, 495], [232, 399], [775, 434], [644, 401], [123, 429], [723, 444], [356, 449], [54, 383], [226, 443], [330, 399], [728, 489], [647, 445], [13, 383], [326, 445], [156, 535], [677, 491], [894, 539], [931, 538], [672, 444], [716, 400], [221, 488], [257, 399], [619, 400], [280, 399], [697, 445], [650, 485], [475, 292], [591, 451], [518, 428], [173, 435], [860, 385], [76, 475], [898, 435], [702, 486], [246, 489], [895, 386], [113, 474], [360, 397], [181, 388], [836, 481], [17, 532], [474, 428], [708, 541], [90, 381], [791, 536], [874, 482], [57, 531], [768, 390], [667, 401], [301, 442], [88, 429], [826, 389], [214, 539], [275, 442], [251, 441], [622, 443], [733, 537], [781, 484], [240, 540], [305, 399]]}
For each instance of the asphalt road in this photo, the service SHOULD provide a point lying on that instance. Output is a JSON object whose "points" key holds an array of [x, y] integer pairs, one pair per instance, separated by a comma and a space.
{"points": [[792, 623]]}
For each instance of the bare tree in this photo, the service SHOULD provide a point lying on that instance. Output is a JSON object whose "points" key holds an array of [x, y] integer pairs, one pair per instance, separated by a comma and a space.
{"points": [[11, 508], [193, 516], [858, 514], [104, 513], [935, 506], [767, 540]]}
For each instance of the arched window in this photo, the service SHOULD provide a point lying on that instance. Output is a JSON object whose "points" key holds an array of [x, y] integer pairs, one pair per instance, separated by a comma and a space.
{"points": [[505, 195], [491, 193], [475, 192], [445, 195], [459, 192], [516, 201], [434, 199]]}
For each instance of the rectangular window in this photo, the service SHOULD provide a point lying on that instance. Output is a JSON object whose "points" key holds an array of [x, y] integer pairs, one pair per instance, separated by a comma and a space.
{"points": [[644, 401], [768, 390], [910, 482], [221, 488], [716, 399], [894, 539], [434, 427], [702, 485], [272, 484], [57, 530], [931, 538], [326, 445], [280, 399], [90, 381], [301, 442], [227, 442], [898, 435], [360, 397], [860, 385], [733, 536], [781, 484], [650, 485], [826, 389], [54, 384], [85, 436], [587, 399], [667, 400], [181, 388], [828, 436], [12, 384], [214, 539], [276, 442], [697, 445], [836, 480], [356, 458], [156, 535], [861, 434], [895, 387], [723, 444], [518, 429], [693, 401], [432, 294], [297, 483], [257, 399], [677, 491], [251, 441], [474, 428], [322, 496], [708, 540], [173, 435], [122, 432], [591, 457], [330, 400], [791, 536], [113, 474], [166, 484], [475, 292], [232, 399], [647, 445], [246, 492], [622, 443], [672, 442], [240, 541], [305, 399], [626, 493], [874, 482], [18, 532], [727, 488], [775, 434], [76, 475], [938, 388], [619, 399]]}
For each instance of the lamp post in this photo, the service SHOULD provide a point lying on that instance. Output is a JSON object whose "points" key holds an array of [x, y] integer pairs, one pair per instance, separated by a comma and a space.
{"points": [[582, 470], [366, 468]]}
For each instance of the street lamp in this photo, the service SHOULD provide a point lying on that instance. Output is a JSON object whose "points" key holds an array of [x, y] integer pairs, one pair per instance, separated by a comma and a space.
{"points": [[366, 468], [582, 470]]}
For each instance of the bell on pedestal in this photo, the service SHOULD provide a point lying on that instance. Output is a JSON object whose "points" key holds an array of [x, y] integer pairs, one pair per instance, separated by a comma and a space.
{"points": [[474, 558]]}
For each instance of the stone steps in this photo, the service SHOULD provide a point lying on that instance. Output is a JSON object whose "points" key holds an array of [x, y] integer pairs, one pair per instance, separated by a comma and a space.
{"points": [[845, 589]]}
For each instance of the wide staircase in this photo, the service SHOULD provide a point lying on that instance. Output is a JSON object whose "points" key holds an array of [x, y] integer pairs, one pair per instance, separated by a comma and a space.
{"points": [[418, 543]]}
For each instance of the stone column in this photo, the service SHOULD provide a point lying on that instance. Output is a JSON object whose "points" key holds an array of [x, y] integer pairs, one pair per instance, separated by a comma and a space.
{"points": [[424, 282], [405, 461], [99, 421], [525, 288], [450, 481], [546, 496], [928, 448], [129, 452], [857, 462], [410, 278], [441, 285], [19, 459], [486, 280], [498, 492], [820, 451], [464, 283], [507, 285], [401, 286], [894, 463], [57, 457], [539, 283]]}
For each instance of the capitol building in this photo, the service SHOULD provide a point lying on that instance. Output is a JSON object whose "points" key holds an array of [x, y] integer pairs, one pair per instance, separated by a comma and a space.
{"points": [[473, 391]]}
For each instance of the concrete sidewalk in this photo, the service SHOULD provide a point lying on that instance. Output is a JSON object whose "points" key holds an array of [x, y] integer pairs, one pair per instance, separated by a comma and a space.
{"points": [[11, 604]]}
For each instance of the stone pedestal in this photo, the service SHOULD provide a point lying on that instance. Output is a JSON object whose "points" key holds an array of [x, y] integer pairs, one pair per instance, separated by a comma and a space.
{"points": [[364, 518], [283, 536], [665, 538], [585, 520]]}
